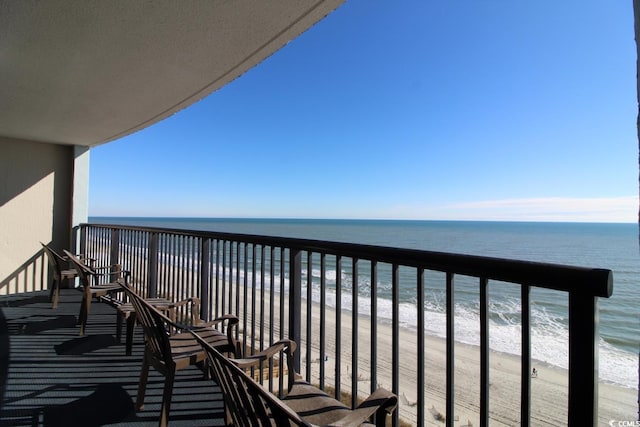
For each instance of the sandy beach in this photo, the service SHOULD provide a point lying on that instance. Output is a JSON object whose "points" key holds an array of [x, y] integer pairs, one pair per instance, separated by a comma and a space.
{"points": [[549, 388]]}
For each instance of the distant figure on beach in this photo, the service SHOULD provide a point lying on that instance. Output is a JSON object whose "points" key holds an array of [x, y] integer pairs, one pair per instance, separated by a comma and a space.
{"points": [[534, 373]]}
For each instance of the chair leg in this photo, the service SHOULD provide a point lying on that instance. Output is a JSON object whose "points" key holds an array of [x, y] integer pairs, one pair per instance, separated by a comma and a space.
{"points": [[131, 325], [54, 294], [166, 396], [206, 370], [84, 313], [119, 317], [142, 385]]}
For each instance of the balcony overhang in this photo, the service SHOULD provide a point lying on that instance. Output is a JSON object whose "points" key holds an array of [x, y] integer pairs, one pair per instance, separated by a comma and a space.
{"points": [[86, 73]]}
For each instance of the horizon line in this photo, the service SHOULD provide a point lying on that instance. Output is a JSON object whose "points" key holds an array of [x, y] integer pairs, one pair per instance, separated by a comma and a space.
{"points": [[283, 218]]}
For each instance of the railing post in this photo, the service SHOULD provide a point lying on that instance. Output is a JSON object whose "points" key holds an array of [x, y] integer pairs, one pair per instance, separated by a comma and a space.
{"points": [[114, 255], [152, 268], [395, 337], [525, 360], [583, 359], [354, 330], [79, 247], [83, 240], [295, 300], [484, 352], [205, 283], [450, 374]]}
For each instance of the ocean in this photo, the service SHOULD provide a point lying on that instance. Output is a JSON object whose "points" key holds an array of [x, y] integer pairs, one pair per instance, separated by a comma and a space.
{"points": [[595, 245]]}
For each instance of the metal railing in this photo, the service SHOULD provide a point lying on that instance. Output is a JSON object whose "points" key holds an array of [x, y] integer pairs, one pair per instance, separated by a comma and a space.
{"points": [[326, 296]]}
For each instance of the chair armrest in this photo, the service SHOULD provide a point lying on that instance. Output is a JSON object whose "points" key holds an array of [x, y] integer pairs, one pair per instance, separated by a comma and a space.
{"points": [[87, 260], [184, 327], [231, 319], [230, 327], [383, 400], [195, 313], [254, 360], [114, 269], [191, 300], [106, 267]]}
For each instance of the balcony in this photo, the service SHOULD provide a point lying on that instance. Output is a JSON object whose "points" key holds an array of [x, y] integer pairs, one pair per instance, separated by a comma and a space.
{"points": [[57, 378], [282, 287]]}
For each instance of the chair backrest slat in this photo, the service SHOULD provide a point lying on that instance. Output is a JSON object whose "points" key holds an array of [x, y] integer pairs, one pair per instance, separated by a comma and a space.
{"points": [[153, 324], [55, 261]]}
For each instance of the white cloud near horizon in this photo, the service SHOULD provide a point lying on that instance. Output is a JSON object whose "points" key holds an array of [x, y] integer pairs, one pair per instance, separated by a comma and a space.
{"points": [[550, 209], [608, 209]]}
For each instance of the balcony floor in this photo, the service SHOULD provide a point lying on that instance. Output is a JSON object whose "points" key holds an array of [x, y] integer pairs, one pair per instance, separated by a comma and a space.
{"points": [[57, 378]]}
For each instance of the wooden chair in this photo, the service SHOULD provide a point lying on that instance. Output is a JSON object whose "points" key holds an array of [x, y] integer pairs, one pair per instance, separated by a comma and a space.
{"points": [[127, 314], [250, 404], [185, 313], [56, 262], [169, 348], [92, 288]]}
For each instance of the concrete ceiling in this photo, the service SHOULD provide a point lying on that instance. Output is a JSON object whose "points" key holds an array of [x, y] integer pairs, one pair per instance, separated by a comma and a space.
{"points": [[88, 72]]}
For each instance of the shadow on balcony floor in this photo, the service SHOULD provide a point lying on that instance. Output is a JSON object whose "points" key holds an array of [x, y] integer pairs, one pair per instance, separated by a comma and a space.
{"points": [[57, 378]]}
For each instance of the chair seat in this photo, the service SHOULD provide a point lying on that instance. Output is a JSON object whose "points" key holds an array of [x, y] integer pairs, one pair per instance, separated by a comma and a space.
{"points": [[69, 274], [314, 405]]}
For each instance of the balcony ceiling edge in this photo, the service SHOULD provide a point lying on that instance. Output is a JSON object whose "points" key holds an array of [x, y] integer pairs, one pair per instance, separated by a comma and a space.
{"points": [[86, 73]]}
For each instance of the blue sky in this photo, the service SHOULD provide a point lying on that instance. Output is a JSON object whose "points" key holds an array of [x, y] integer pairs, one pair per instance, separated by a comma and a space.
{"points": [[442, 109]]}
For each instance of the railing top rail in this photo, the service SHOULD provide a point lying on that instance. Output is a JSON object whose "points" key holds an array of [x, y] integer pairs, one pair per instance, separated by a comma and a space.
{"points": [[583, 280]]}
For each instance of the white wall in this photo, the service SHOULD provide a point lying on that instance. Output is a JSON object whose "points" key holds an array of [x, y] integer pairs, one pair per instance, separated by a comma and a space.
{"points": [[36, 186]]}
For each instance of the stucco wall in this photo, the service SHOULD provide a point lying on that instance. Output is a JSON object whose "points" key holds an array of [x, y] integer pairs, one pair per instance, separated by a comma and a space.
{"points": [[35, 206]]}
